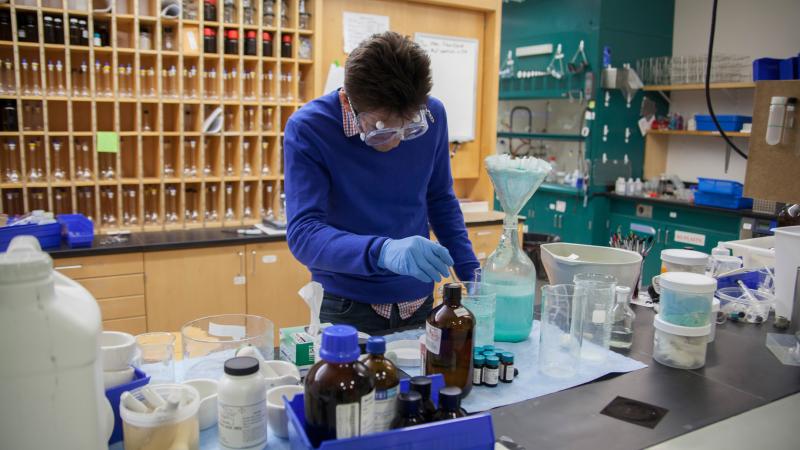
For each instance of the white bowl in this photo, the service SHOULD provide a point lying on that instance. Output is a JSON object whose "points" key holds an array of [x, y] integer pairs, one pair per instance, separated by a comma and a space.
{"points": [[279, 373], [114, 378], [207, 413], [276, 409], [117, 350], [561, 266]]}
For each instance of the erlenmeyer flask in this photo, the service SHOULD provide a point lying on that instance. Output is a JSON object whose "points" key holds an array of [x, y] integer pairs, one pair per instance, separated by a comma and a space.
{"points": [[508, 270]]}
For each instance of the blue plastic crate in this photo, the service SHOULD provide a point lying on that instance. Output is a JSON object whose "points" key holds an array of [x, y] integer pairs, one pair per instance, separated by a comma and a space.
{"points": [[467, 433], [722, 201], [727, 122], [139, 379], [766, 69], [77, 229], [788, 68], [715, 186], [49, 235]]}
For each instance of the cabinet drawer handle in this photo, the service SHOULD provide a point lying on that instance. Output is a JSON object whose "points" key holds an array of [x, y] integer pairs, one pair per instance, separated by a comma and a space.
{"points": [[76, 266], [560, 221], [666, 237], [483, 233], [658, 236], [555, 220]]}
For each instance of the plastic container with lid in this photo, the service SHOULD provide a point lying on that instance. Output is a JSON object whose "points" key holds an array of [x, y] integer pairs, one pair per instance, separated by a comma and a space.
{"points": [[722, 264], [680, 347], [736, 306], [169, 426], [681, 260], [242, 405], [50, 379], [686, 298]]}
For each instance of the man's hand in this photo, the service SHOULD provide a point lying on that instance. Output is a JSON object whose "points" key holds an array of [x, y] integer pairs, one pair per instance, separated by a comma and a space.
{"points": [[416, 256]]}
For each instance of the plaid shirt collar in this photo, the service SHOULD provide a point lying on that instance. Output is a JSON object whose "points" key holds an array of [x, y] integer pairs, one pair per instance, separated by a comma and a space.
{"points": [[348, 116]]}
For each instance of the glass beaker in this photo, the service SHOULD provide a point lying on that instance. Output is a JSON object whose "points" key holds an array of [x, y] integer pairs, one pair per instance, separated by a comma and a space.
{"points": [[508, 270], [597, 293], [480, 299], [157, 356], [560, 332]]}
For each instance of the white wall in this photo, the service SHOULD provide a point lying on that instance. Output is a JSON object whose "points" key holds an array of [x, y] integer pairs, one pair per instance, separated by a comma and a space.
{"points": [[754, 28]]}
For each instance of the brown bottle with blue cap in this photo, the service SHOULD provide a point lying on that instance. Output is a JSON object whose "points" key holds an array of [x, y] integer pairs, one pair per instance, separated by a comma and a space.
{"points": [[339, 389]]}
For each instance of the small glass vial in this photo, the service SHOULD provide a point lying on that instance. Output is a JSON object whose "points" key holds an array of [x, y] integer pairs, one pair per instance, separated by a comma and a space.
{"points": [[622, 320], [247, 12], [491, 372], [269, 13], [478, 362], [409, 406], [507, 370], [449, 404], [422, 385], [242, 405], [144, 38], [229, 11], [168, 39], [284, 14], [304, 17]]}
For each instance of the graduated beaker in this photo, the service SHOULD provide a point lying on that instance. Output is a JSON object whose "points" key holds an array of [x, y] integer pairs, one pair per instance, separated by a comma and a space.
{"points": [[596, 293], [480, 299], [560, 332]]}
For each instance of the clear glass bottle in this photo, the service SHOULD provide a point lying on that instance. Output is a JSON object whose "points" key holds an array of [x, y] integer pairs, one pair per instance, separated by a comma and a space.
{"points": [[229, 11], [247, 12], [387, 384], [622, 320], [58, 172], [229, 214], [284, 14], [265, 158], [304, 17], [508, 270], [12, 162], [247, 211], [269, 13], [449, 334], [171, 209], [211, 203]]}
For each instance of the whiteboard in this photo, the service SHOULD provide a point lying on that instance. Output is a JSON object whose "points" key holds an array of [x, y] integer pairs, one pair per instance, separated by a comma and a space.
{"points": [[454, 63]]}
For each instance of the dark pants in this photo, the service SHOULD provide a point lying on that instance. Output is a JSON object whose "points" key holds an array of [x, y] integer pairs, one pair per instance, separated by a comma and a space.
{"points": [[341, 311]]}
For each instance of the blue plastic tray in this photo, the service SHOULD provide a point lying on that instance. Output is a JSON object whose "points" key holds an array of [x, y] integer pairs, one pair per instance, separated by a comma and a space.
{"points": [[77, 229], [139, 379], [715, 186], [727, 122], [722, 201], [49, 235], [766, 69], [468, 433]]}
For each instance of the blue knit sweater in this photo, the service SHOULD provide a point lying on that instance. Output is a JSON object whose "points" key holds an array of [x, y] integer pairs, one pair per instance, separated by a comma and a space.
{"points": [[344, 199]]}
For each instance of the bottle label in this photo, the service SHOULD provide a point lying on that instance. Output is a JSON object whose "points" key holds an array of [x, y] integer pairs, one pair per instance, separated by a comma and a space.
{"points": [[433, 338], [385, 408], [477, 375], [355, 419], [243, 426], [508, 372], [490, 375], [599, 316]]}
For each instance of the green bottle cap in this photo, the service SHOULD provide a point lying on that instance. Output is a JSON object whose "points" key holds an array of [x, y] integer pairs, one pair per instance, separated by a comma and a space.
{"points": [[492, 361]]}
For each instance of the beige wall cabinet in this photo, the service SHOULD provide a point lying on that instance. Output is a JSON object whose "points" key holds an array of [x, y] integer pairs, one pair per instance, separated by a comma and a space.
{"points": [[183, 285], [273, 278], [117, 282]]}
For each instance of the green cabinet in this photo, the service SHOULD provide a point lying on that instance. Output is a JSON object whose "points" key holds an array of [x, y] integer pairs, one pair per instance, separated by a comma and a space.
{"points": [[557, 211]]}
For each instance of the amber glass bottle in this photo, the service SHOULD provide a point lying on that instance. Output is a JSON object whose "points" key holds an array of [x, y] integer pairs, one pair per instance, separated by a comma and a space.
{"points": [[422, 386], [449, 332], [409, 410], [449, 404], [387, 383], [339, 389]]}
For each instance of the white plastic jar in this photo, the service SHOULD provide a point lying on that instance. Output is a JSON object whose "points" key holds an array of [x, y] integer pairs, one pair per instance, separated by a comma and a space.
{"points": [[171, 424], [686, 298], [680, 347], [681, 260], [242, 405]]}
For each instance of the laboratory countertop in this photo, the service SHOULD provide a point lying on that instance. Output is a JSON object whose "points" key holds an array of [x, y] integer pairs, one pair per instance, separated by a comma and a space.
{"points": [[205, 237], [685, 204], [740, 374]]}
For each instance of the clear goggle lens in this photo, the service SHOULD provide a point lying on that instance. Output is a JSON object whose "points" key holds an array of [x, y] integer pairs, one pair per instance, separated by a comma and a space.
{"points": [[374, 134]]}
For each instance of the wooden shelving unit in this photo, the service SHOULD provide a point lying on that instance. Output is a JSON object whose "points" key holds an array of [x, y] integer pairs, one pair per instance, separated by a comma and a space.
{"points": [[156, 100], [699, 86], [696, 133]]}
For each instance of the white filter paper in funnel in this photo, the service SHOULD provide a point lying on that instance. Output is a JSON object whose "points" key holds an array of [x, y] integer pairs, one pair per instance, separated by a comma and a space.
{"points": [[516, 179]]}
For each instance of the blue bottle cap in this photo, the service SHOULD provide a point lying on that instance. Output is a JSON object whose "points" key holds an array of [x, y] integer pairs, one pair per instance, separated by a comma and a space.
{"points": [[488, 354], [376, 345], [493, 361], [507, 357], [498, 351], [479, 360], [488, 348], [339, 344]]}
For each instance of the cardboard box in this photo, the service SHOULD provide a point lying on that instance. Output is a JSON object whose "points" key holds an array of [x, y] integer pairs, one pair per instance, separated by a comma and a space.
{"points": [[297, 346]]}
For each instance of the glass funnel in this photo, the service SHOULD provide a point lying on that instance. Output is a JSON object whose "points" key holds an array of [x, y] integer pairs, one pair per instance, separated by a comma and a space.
{"points": [[508, 270]]}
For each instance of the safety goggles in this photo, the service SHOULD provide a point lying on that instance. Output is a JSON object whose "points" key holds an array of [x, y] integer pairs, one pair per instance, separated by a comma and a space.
{"points": [[374, 132]]}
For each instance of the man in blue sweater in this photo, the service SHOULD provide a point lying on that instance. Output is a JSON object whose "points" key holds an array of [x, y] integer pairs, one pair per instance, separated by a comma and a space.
{"points": [[367, 173]]}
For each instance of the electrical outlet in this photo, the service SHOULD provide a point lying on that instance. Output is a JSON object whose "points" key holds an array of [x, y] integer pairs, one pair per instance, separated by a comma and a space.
{"points": [[644, 211]]}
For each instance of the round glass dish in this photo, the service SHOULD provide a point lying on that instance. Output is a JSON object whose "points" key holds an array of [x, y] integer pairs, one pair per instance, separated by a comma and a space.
{"points": [[735, 305], [209, 341]]}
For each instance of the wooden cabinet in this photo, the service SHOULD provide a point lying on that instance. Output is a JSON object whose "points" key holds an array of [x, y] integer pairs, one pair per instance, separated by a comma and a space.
{"points": [[273, 278], [484, 240], [117, 283], [182, 285]]}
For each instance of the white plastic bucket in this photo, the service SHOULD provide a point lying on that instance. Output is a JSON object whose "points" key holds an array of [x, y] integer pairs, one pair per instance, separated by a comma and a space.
{"points": [[787, 260]]}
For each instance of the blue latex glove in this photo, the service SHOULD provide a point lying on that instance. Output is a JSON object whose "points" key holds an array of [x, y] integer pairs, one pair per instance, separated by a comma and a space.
{"points": [[415, 256]]}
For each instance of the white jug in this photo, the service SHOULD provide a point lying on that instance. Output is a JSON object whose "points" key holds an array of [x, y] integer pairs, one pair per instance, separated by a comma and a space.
{"points": [[50, 376]]}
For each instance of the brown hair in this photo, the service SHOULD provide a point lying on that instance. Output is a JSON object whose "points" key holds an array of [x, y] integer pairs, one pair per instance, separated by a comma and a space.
{"points": [[388, 72]]}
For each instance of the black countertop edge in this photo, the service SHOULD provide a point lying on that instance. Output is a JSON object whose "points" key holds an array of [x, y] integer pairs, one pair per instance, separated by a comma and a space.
{"points": [[153, 241], [684, 204]]}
